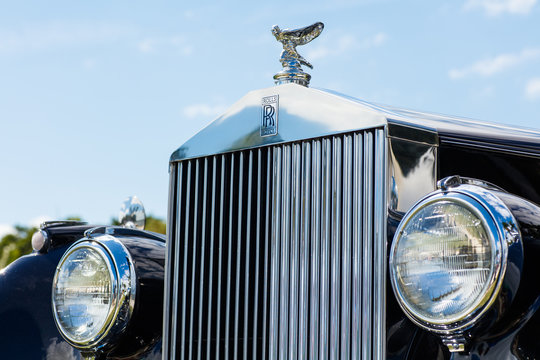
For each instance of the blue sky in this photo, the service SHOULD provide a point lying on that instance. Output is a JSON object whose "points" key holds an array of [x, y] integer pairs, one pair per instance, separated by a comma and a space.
{"points": [[95, 96]]}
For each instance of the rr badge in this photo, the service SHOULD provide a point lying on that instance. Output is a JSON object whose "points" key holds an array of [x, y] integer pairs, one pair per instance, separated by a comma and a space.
{"points": [[269, 115]]}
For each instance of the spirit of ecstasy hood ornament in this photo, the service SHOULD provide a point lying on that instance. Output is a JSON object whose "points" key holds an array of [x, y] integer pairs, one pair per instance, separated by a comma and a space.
{"points": [[290, 59]]}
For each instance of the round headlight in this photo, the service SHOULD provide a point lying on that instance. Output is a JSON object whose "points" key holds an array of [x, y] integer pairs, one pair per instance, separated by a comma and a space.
{"points": [[92, 288], [448, 258]]}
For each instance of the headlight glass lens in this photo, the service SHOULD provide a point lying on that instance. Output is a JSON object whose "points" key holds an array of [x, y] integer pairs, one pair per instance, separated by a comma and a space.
{"points": [[443, 262], [83, 294]]}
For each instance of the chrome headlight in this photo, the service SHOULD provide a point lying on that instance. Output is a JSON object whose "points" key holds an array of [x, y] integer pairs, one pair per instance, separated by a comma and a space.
{"points": [[449, 257], [93, 292]]}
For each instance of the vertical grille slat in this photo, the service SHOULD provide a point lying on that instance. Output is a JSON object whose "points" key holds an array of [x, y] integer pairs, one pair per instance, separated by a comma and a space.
{"points": [[380, 251], [325, 248], [184, 282], [356, 333], [315, 251], [211, 263], [247, 267], [335, 250], [346, 248], [279, 252], [203, 248], [274, 255], [303, 296], [284, 238], [193, 259], [240, 180], [267, 227], [229, 260], [220, 259], [367, 249], [294, 251]]}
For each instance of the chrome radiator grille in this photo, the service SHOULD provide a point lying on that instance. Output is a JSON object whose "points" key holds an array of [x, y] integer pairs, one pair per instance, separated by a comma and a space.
{"points": [[279, 252]]}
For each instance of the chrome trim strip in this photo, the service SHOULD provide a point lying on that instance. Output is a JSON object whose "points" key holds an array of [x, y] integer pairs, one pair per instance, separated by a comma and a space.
{"points": [[335, 248], [346, 249], [248, 241], [184, 282], [174, 245], [257, 252], [274, 263], [325, 246], [220, 260], [315, 250], [285, 250], [203, 248], [295, 243], [229, 275], [303, 298], [367, 239], [379, 227], [238, 253], [358, 181], [211, 269], [194, 258]]}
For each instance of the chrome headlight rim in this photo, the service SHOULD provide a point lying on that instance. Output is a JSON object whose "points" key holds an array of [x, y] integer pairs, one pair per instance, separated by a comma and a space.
{"points": [[123, 288], [502, 230]]}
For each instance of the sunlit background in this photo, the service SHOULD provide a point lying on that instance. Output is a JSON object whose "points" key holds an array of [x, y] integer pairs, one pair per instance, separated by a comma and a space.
{"points": [[95, 96]]}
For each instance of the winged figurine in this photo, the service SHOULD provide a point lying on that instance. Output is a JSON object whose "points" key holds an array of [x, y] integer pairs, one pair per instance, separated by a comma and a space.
{"points": [[290, 39]]}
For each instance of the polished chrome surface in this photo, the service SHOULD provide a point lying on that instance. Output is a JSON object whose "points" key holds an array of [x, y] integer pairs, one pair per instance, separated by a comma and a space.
{"points": [[132, 214], [303, 296], [346, 239], [456, 180], [304, 113], [296, 199], [284, 238], [210, 270], [357, 218], [297, 230], [367, 247], [380, 248], [315, 221], [503, 230], [412, 172], [203, 253], [274, 255], [290, 59], [335, 248], [124, 286]]}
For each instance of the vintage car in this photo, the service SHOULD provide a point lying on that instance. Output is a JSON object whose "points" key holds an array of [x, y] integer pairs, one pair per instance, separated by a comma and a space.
{"points": [[304, 224]]}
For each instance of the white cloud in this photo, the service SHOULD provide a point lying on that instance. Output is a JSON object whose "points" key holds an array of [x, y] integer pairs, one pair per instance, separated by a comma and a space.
{"points": [[345, 44], [532, 89], [203, 110], [153, 44], [50, 36], [497, 7], [489, 67], [6, 229]]}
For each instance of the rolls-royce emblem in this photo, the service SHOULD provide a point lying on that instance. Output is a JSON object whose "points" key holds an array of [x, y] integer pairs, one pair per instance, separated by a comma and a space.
{"points": [[269, 115]]}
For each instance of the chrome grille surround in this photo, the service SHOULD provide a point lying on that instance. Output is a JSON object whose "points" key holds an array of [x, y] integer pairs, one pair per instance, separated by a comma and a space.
{"points": [[279, 252]]}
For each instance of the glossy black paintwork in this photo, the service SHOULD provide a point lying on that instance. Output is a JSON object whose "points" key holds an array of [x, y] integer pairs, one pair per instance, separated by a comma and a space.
{"points": [[514, 165], [27, 328]]}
